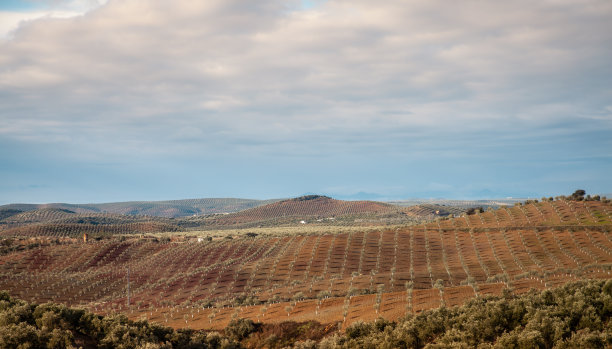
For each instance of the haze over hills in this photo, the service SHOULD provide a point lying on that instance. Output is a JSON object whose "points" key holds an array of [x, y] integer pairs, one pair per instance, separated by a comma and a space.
{"points": [[223, 213], [168, 208], [50, 219], [207, 206], [494, 203]]}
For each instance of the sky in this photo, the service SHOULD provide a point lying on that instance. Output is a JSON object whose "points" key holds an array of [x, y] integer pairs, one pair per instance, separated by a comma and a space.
{"points": [[152, 99]]}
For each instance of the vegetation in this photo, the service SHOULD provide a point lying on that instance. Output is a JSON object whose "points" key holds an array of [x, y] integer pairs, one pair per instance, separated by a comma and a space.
{"points": [[474, 210], [49, 325], [26, 325], [575, 315], [581, 195]]}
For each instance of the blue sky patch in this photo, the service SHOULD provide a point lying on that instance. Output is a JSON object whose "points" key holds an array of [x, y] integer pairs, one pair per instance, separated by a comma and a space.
{"points": [[19, 5]]}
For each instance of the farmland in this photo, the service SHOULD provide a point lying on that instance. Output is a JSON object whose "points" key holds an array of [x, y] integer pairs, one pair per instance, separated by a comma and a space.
{"points": [[203, 279]]}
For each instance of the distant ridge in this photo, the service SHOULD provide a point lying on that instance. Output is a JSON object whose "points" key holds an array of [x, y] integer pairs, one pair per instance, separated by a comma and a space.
{"points": [[458, 203], [168, 208]]}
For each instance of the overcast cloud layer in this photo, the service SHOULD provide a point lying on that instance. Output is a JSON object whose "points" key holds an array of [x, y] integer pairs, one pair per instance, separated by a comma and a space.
{"points": [[156, 99]]}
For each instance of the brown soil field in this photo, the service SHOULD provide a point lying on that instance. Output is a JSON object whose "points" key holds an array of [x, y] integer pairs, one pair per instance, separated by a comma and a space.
{"points": [[328, 277]]}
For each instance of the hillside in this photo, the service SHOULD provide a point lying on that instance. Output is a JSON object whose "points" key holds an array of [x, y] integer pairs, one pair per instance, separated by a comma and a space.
{"points": [[314, 205], [308, 208], [211, 214], [332, 277], [5, 213], [55, 222], [170, 208], [38, 216], [318, 210]]}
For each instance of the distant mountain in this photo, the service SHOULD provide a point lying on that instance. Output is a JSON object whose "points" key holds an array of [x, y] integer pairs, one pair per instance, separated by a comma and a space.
{"points": [[362, 196], [432, 210], [458, 203], [169, 208]]}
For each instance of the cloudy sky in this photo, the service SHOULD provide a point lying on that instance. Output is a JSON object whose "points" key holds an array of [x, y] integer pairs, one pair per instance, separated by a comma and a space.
{"points": [[154, 99]]}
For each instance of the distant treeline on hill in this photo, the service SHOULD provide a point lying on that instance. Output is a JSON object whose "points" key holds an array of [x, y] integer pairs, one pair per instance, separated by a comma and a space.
{"points": [[576, 315]]}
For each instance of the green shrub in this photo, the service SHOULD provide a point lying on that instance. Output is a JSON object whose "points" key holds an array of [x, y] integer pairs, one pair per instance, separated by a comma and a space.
{"points": [[240, 329]]}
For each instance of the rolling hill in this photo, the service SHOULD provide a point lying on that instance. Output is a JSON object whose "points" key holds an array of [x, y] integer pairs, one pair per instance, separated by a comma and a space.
{"points": [[70, 220], [58, 220], [307, 209], [341, 277], [170, 208]]}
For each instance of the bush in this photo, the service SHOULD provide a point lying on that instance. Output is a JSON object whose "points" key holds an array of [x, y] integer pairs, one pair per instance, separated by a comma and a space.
{"points": [[24, 325], [240, 329], [474, 210], [358, 329]]}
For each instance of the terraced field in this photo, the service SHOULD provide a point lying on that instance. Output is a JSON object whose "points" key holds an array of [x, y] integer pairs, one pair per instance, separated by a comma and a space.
{"points": [[330, 277]]}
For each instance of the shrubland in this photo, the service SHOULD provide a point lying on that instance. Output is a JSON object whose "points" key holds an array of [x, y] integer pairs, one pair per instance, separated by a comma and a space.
{"points": [[574, 315]]}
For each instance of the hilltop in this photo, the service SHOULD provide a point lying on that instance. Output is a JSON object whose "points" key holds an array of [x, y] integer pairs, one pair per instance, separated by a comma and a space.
{"points": [[307, 209]]}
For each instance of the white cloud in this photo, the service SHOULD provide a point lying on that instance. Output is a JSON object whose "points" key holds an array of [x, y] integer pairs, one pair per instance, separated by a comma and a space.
{"points": [[266, 72], [10, 21]]}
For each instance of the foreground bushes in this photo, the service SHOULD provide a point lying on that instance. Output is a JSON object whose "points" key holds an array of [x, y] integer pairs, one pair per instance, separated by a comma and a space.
{"points": [[576, 315], [25, 325]]}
